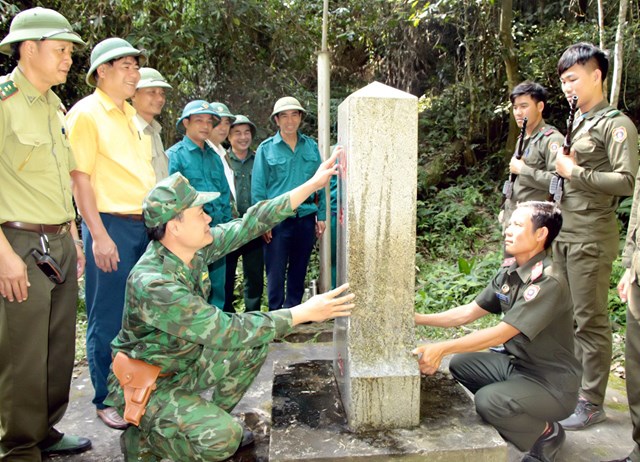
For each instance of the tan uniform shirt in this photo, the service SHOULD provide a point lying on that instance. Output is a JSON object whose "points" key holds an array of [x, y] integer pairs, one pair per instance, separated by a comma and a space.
{"points": [[35, 156], [159, 159], [606, 146]]}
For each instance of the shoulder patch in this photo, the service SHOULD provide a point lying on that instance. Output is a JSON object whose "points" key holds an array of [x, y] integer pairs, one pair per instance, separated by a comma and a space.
{"points": [[537, 270], [531, 292], [7, 89], [619, 134], [554, 146], [509, 261]]}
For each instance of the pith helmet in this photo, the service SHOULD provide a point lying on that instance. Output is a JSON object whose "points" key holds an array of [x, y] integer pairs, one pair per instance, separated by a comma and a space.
{"points": [[198, 106], [170, 197], [110, 49], [39, 24], [223, 110], [286, 104], [150, 78], [244, 120]]}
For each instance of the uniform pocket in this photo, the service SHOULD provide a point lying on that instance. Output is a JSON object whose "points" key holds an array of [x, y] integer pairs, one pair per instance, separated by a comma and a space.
{"points": [[32, 153]]}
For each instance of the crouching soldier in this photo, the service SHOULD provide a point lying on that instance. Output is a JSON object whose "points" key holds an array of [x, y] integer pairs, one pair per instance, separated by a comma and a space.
{"points": [[188, 346], [525, 392]]}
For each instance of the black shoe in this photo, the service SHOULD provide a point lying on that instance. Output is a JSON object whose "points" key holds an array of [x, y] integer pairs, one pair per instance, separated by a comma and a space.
{"points": [[585, 415], [69, 444], [547, 446]]}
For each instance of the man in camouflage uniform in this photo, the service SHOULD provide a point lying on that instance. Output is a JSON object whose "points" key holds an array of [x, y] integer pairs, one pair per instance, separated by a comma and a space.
{"points": [[600, 169], [198, 347], [37, 316], [525, 392], [541, 143]]}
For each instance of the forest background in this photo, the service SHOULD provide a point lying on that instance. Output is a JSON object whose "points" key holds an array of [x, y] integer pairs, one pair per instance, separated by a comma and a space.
{"points": [[460, 57]]}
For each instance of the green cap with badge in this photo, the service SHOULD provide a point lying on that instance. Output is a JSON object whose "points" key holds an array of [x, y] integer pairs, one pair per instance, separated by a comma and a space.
{"points": [[151, 78], [170, 197], [198, 106], [244, 120], [39, 24], [288, 103], [110, 49], [223, 110]]}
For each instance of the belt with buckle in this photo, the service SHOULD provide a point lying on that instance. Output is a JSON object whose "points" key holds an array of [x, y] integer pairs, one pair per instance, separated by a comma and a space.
{"points": [[129, 216], [62, 228]]}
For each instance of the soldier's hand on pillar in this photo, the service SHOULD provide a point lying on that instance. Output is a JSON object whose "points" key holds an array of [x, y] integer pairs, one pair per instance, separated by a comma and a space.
{"points": [[14, 281], [623, 285], [324, 306], [105, 253], [267, 236], [327, 169], [429, 357]]}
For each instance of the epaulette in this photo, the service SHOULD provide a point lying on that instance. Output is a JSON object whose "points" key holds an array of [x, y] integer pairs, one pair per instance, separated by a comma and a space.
{"points": [[7, 89], [509, 261], [612, 113], [536, 271], [549, 132]]}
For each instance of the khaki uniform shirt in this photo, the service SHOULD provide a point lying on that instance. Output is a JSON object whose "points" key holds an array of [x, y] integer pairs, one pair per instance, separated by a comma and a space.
{"points": [[606, 146], [35, 156], [532, 184], [159, 159], [535, 299]]}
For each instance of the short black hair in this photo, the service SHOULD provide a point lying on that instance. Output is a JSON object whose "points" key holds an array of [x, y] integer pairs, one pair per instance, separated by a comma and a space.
{"points": [[537, 92], [157, 233], [544, 214], [15, 50], [583, 53]]}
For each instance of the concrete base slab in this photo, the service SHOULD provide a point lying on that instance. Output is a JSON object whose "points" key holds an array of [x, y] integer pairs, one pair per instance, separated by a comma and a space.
{"points": [[309, 423]]}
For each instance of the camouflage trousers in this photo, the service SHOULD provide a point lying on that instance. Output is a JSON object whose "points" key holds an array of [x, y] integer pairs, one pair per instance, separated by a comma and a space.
{"points": [[188, 418]]}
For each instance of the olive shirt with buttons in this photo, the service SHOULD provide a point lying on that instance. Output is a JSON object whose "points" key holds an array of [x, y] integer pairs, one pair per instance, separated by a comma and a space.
{"points": [[35, 156], [242, 169], [535, 299], [605, 142]]}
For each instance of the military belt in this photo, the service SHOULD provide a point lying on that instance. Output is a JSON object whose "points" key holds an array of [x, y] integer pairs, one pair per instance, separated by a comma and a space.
{"points": [[62, 228]]}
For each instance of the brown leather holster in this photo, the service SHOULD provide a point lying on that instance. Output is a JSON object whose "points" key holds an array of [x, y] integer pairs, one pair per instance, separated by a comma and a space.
{"points": [[138, 380]]}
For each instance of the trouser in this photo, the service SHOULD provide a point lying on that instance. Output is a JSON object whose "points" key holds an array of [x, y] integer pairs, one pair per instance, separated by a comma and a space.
{"points": [[632, 361], [217, 275], [515, 404], [105, 293], [252, 270], [287, 257], [37, 343], [588, 269], [182, 425]]}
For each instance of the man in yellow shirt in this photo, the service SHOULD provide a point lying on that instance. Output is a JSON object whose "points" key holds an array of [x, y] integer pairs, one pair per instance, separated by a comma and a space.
{"points": [[37, 312], [112, 176]]}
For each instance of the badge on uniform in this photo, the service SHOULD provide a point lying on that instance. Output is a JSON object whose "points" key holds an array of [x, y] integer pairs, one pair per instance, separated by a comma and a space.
{"points": [[508, 261], [537, 270], [531, 293], [204, 276], [554, 146], [620, 134]]}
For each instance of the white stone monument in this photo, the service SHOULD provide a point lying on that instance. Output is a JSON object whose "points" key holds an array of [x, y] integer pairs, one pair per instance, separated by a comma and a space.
{"points": [[378, 378]]}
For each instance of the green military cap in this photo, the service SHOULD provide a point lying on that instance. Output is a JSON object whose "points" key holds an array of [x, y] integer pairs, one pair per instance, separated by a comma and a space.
{"points": [[110, 49], [198, 106], [151, 78], [223, 110], [39, 24], [170, 197], [287, 103], [244, 120]]}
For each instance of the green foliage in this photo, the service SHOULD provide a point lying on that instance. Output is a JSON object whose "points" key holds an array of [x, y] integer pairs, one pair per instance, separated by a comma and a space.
{"points": [[617, 309]]}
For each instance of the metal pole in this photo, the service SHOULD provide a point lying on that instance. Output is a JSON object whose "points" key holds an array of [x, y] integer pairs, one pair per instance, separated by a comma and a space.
{"points": [[324, 145]]}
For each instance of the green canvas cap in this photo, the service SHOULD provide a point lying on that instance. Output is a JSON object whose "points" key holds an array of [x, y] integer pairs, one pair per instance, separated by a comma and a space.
{"points": [[198, 106], [244, 120], [110, 49], [223, 110], [170, 197], [39, 24], [151, 78]]}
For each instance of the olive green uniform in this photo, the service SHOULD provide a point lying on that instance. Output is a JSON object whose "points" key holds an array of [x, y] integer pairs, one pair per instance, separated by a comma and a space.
{"points": [[631, 260], [606, 145], [206, 352], [539, 156], [537, 380], [37, 336]]}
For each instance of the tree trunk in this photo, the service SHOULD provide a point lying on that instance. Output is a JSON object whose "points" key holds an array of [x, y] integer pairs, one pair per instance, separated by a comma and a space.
{"points": [[510, 63], [616, 76], [601, 35]]}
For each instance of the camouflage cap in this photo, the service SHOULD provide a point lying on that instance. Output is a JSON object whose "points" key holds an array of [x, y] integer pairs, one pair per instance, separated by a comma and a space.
{"points": [[170, 197]]}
